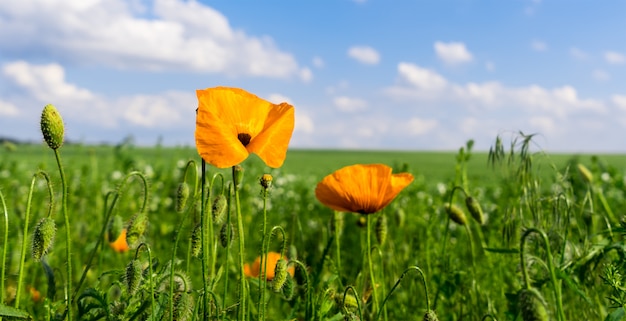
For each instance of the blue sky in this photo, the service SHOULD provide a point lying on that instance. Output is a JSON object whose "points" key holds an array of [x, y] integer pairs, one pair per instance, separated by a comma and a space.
{"points": [[370, 74]]}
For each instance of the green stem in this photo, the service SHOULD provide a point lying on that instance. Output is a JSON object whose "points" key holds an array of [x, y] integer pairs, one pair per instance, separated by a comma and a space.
{"points": [[109, 212], [555, 285], [398, 283], [68, 243], [6, 243], [227, 256], [152, 304], [308, 306], [205, 244], [338, 224], [25, 233], [263, 261], [242, 286], [356, 296], [371, 267]]}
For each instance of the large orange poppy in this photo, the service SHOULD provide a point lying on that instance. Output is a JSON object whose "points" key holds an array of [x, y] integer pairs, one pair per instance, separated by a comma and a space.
{"points": [[363, 189], [254, 270], [231, 123]]}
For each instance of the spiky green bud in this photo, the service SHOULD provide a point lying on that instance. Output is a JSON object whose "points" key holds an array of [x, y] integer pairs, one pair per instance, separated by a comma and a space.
{"points": [[225, 237], [381, 229], [43, 237], [52, 127], [220, 203], [115, 227], [280, 275], [289, 288], [182, 194], [456, 214], [136, 228], [196, 241], [132, 277], [475, 210], [532, 306], [430, 316]]}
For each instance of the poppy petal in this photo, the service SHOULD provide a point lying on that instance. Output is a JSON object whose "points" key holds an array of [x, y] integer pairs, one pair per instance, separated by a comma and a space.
{"points": [[217, 122], [363, 189], [272, 142]]}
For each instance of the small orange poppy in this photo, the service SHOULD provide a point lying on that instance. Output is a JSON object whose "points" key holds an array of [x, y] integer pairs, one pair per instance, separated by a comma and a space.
{"points": [[254, 270], [232, 123], [120, 244], [363, 189]]}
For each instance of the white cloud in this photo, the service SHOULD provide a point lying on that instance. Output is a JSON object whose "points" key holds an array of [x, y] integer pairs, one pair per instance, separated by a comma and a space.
{"points": [[45, 82], [614, 58], [306, 75], [578, 54], [452, 53], [418, 126], [600, 75], [349, 104], [619, 101], [318, 62], [179, 35], [278, 98], [543, 124], [420, 84], [8, 109], [364, 54], [490, 66], [538, 45], [304, 122]]}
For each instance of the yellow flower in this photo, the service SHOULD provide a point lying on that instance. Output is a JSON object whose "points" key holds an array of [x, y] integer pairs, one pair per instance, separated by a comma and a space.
{"points": [[363, 189], [254, 270], [232, 123], [120, 244]]}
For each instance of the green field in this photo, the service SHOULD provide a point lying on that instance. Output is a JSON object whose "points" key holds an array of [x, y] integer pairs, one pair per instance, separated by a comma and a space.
{"points": [[472, 271]]}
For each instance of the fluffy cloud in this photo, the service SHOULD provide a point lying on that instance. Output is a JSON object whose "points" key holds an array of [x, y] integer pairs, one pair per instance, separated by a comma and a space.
{"points": [[452, 53], [364, 54], [614, 58], [176, 35], [538, 45], [418, 126], [7, 109], [349, 104]]}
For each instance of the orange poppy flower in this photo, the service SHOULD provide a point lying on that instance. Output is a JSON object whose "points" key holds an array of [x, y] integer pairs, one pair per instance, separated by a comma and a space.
{"points": [[363, 189], [120, 244], [254, 270], [232, 123]]}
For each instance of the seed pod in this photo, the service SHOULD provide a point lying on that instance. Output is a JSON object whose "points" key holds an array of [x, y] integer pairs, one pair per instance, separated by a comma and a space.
{"points": [[115, 227], [456, 214], [136, 228], [183, 307], [182, 194], [430, 316], [132, 277], [226, 239], [381, 229], [196, 241], [585, 173], [348, 302], [266, 181], [531, 305], [43, 237], [52, 127], [219, 208], [474, 208], [289, 288], [280, 275]]}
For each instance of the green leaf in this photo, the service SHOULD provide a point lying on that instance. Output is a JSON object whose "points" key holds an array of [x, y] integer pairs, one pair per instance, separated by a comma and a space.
{"points": [[616, 315], [7, 311]]}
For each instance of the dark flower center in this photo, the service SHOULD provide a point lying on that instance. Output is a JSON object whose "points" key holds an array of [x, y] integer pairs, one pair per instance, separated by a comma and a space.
{"points": [[244, 138]]}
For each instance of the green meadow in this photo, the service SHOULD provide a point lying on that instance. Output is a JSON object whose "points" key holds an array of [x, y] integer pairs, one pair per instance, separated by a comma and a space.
{"points": [[547, 244]]}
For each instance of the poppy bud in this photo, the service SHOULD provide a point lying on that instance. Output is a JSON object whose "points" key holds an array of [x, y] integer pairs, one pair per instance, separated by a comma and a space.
{"points": [[219, 208], [132, 277], [52, 127], [182, 194], [474, 208], [456, 214], [430, 316], [585, 173], [280, 275], [226, 239], [266, 181], [196, 241], [43, 237], [532, 306], [136, 228]]}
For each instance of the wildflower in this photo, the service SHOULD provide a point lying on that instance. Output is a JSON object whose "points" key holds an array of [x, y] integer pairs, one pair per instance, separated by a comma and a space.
{"points": [[35, 295], [363, 189], [120, 245], [272, 258], [232, 123]]}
